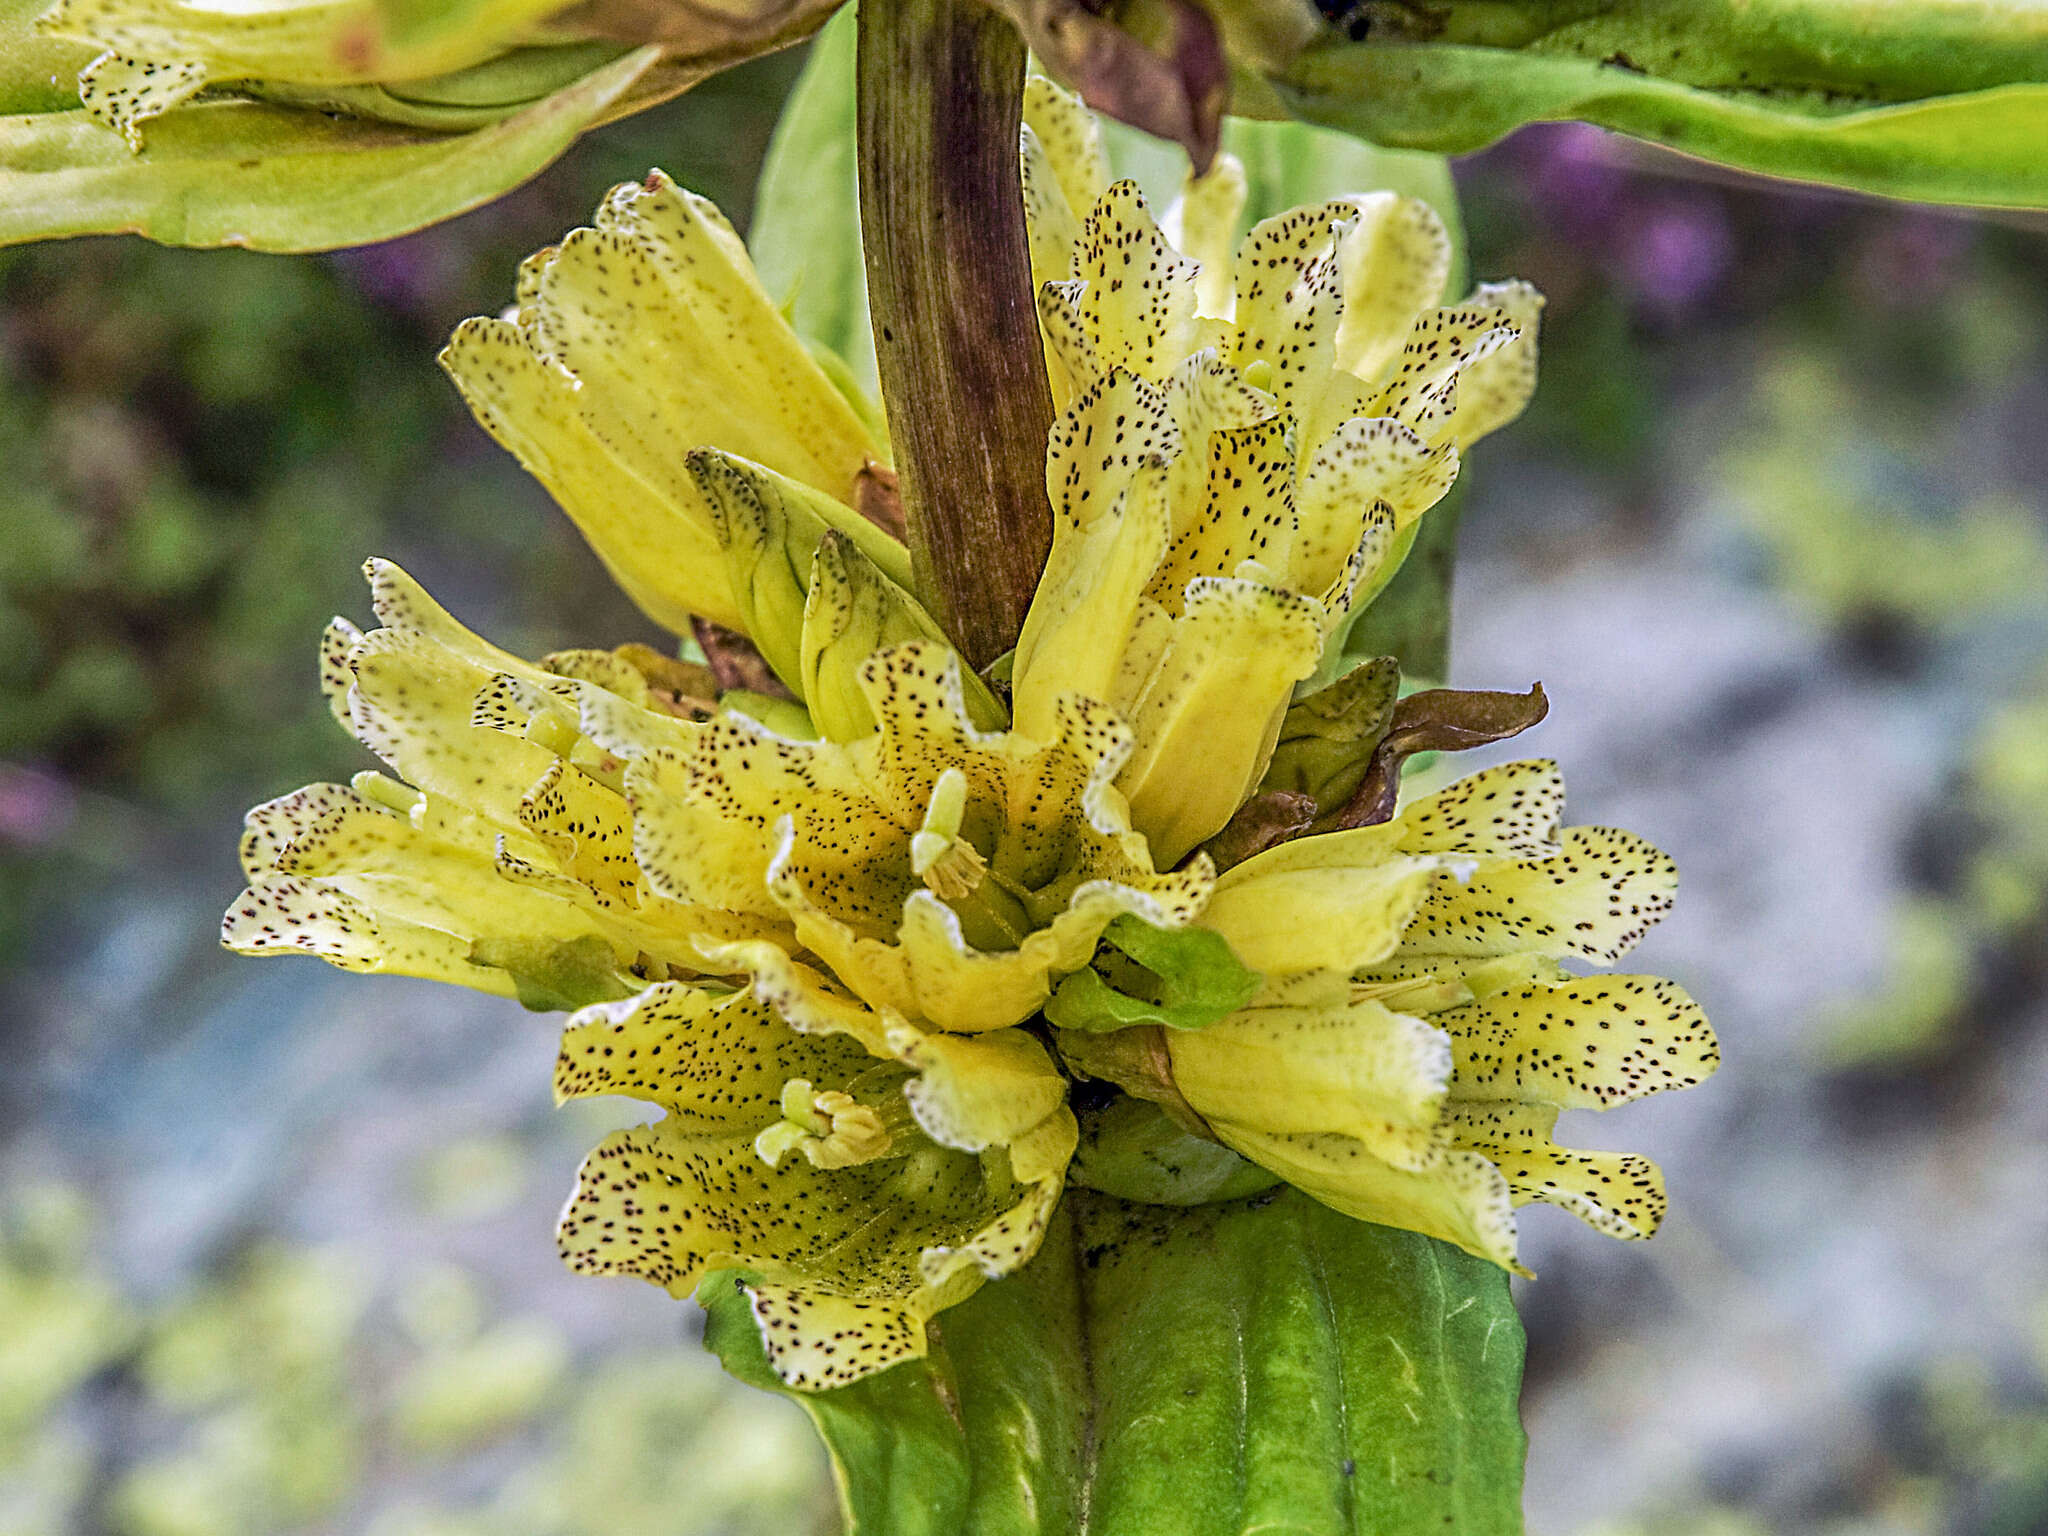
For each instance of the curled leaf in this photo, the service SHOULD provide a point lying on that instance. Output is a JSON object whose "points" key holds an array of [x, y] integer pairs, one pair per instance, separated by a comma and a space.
{"points": [[1172, 81], [1436, 720]]}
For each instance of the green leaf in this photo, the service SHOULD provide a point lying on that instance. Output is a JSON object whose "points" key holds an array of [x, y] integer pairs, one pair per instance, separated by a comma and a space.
{"points": [[278, 179], [37, 73], [1915, 135], [805, 237], [1194, 980], [1264, 1364], [470, 98], [1272, 1365]]}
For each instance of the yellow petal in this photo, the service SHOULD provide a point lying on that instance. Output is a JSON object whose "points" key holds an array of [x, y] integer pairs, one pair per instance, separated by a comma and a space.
{"points": [[651, 529], [1120, 427], [411, 705], [1291, 305], [1209, 718], [288, 915], [473, 887], [1493, 391], [336, 641], [853, 1257], [1618, 1193], [979, 1092], [770, 529], [1134, 293], [403, 604], [1395, 258], [1081, 623], [1595, 899], [1460, 1198], [1070, 139], [852, 611], [268, 829], [1589, 1044], [662, 290], [1367, 461], [1280, 919], [124, 92], [1359, 1070], [637, 341], [1511, 810], [1423, 390], [712, 1061], [816, 1342], [928, 970], [589, 830], [706, 820], [1242, 510], [1210, 207]]}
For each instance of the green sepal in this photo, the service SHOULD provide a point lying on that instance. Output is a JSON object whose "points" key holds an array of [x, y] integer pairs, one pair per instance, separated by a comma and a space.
{"points": [[556, 977], [785, 717], [1327, 737], [277, 178], [1261, 1364], [1137, 1151], [1191, 979]]}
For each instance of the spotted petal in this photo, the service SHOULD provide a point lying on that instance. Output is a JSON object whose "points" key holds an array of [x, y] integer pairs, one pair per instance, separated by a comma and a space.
{"points": [[660, 290], [853, 1256]]}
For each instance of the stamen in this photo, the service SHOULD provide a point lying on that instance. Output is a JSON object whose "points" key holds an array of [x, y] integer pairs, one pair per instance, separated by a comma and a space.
{"points": [[831, 1128]]}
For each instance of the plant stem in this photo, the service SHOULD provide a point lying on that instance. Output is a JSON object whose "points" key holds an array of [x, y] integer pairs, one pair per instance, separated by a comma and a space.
{"points": [[941, 89]]}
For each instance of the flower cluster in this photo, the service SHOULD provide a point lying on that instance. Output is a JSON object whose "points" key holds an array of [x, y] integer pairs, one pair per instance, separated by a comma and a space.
{"points": [[857, 941]]}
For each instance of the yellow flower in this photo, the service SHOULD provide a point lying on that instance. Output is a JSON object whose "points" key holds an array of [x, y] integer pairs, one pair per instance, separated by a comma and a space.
{"points": [[565, 834], [864, 1189], [828, 934], [1245, 447], [635, 341], [1418, 1036]]}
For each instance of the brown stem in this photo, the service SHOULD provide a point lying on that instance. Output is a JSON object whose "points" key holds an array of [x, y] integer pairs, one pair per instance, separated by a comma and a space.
{"points": [[949, 286]]}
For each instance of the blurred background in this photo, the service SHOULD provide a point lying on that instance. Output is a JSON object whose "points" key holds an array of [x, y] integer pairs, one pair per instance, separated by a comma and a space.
{"points": [[275, 1249]]}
